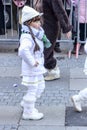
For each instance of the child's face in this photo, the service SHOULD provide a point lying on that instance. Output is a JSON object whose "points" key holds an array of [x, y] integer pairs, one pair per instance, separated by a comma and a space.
{"points": [[36, 23]]}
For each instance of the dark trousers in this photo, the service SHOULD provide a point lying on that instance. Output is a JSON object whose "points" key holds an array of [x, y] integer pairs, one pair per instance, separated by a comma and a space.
{"points": [[83, 31], [2, 21], [50, 61], [82, 34]]}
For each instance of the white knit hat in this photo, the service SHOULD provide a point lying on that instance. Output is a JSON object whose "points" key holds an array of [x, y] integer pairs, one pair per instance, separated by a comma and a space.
{"points": [[28, 13]]}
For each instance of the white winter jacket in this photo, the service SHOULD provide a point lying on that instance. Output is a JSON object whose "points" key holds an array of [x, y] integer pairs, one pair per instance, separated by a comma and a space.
{"points": [[29, 57]]}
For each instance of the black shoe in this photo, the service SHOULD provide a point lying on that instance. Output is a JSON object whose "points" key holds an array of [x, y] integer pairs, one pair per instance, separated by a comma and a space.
{"points": [[57, 49], [81, 48]]}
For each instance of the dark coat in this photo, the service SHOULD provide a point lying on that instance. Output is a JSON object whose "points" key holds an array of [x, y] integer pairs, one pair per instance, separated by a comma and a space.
{"points": [[53, 13], [54, 17]]}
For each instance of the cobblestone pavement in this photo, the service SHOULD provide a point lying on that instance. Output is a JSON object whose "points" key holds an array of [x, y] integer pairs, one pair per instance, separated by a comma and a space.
{"points": [[57, 92]]}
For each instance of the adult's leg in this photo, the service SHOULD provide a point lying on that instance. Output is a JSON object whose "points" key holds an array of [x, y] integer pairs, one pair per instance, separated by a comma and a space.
{"points": [[82, 36], [57, 45], [50, 61], [51, 33]]}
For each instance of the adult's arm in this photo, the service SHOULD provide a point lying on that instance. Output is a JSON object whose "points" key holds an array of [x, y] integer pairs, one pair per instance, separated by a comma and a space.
{"points": [[61, 15]]}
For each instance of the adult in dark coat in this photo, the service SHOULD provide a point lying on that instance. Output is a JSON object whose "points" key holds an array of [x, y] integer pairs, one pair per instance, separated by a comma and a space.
{"points": [[54, 13], [54, 17], [2, 24]]}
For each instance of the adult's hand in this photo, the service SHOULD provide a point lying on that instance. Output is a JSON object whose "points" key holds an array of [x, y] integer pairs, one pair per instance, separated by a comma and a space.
{"points": [[68, 35]]}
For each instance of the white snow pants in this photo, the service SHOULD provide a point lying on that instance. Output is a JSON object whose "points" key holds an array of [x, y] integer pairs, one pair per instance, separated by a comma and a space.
{"points": [[83, 94], [36, 86]]}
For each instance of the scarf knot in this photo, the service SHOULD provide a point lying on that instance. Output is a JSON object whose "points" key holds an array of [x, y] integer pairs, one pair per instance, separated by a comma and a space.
{"points": [[38, 33]]}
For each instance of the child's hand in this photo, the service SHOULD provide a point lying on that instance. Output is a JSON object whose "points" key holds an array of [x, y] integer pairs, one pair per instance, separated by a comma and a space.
{"points": [[36, 64], [68, 35]]}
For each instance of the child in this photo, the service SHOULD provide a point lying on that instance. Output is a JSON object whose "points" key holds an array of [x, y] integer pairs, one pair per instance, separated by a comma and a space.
{"points": [[31, 51], [82, 95]]}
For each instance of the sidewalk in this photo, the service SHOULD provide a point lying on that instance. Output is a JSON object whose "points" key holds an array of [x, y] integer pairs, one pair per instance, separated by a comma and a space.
{"points": [[55, 102]]}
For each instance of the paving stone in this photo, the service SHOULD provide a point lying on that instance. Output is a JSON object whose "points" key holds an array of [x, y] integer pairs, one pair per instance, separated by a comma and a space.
{"points": [[10, 71], [76, 128], [78, 84], [53, 116], [6, 84], [10, 115], [1, 127], [77, 73], [41, 128], [73, 118], [57, 92]]}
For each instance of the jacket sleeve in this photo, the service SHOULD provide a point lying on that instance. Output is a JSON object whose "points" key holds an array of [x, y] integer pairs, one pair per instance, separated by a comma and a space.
{"points": [[61, 15], [25, 53]]}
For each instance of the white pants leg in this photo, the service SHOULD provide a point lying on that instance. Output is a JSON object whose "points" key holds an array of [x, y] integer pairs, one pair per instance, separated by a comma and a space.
{"points": [[29, 107], [83, 94], [41, 86], [30, 97], [35, 87]]}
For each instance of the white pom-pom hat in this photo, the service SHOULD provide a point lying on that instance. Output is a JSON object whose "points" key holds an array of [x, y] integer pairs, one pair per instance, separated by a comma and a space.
{"points": [[29, 13]]}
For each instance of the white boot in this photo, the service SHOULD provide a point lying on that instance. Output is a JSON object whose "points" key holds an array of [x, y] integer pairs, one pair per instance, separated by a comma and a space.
{"points": [[35, 115], [30, 112], [52, 74], [22, 105], [76, 102]]}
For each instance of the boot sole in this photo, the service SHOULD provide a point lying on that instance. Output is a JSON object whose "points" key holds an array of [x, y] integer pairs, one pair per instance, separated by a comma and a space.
{"points": [[51, 79], [30, 118]]}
